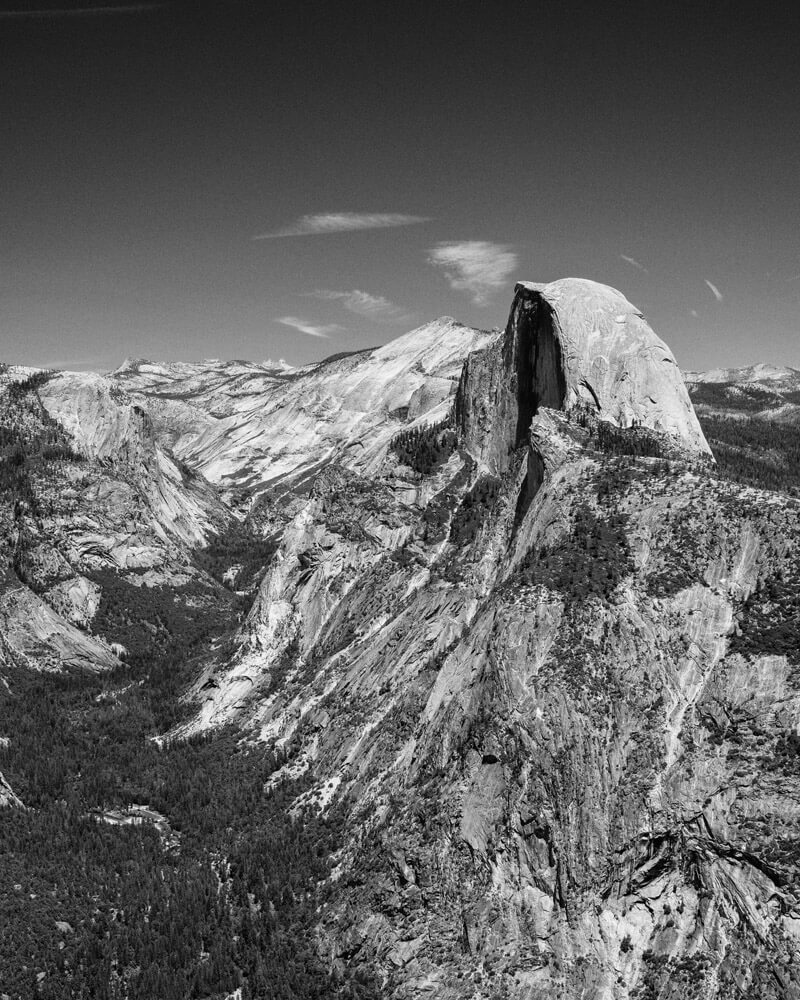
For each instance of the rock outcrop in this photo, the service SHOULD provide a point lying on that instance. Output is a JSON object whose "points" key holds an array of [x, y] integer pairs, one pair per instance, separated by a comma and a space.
{"points": [[8, 798], [33, 634], [85, 488], [572, 345], [563, 729], [109, 427]]}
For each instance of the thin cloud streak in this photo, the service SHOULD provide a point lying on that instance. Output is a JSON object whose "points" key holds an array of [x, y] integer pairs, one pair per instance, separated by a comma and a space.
{"points": [[633, 262], [45, 12], [714, 290], [309, 329], [342, 222], [475, 266], [375, 307]]}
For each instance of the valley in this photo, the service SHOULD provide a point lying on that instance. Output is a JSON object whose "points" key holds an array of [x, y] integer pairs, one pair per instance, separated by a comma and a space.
{"points": [[467, 666]]}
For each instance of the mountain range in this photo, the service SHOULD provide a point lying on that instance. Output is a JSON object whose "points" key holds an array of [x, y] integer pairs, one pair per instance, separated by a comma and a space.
{"points": [[499, 629]]}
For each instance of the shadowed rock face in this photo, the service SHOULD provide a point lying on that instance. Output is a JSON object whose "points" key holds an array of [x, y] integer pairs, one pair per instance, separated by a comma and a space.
{"points": [[538, 362]]}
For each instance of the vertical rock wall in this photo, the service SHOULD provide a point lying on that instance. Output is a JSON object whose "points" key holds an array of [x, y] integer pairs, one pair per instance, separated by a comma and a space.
{"points": [[571, 344]]}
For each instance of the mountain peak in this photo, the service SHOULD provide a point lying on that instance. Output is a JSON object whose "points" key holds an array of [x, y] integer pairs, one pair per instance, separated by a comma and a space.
{"points": [[131, 364], [573, 344]]}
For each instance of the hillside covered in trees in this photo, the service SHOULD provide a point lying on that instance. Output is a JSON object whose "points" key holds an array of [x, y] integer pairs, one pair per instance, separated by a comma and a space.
{"points": [[753, 431]]}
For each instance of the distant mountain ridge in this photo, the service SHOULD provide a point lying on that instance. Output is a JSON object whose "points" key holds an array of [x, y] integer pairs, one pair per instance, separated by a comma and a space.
{"points": [[761, 372], [246, 426], [769, 391]]}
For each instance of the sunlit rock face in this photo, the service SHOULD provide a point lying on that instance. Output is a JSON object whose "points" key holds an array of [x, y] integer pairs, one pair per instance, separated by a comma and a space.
{"points": [[611, 360], [253, 427], [35, 635], [108, 426], [572, 344], [7, 795], [138, 502]]}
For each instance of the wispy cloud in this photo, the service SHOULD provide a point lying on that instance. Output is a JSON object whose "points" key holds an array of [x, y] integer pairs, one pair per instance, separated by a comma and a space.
{"points": [[714, 290], [375, 307], [342, 222], [475, 266], [42, 12], [309, 329], [633, 262]]}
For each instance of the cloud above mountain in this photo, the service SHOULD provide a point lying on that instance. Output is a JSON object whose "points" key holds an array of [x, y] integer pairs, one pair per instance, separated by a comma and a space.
{"points": [[375, 307], [633, 262], [478, 267], [307, 328], [342, 222]]}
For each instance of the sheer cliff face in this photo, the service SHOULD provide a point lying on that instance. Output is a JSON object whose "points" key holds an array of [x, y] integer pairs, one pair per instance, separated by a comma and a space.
{"points": [[572, 345], [563, 731]]}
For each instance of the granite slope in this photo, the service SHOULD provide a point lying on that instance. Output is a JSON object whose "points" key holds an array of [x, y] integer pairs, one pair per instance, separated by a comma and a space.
{"points": [[552, 682], [253, 428], [86, 490]]}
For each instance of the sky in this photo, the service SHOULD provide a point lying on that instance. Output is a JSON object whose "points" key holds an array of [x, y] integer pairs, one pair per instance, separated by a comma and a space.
{"points": [[294, 179]]}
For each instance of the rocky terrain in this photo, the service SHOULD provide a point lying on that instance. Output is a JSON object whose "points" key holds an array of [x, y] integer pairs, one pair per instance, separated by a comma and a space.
{"points": [[249, 427], [86, 489], [766, 391], [514, 632]]}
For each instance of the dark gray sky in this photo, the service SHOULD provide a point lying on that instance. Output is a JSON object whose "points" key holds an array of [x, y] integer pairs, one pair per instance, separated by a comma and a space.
{"points": [[143, 149]]}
